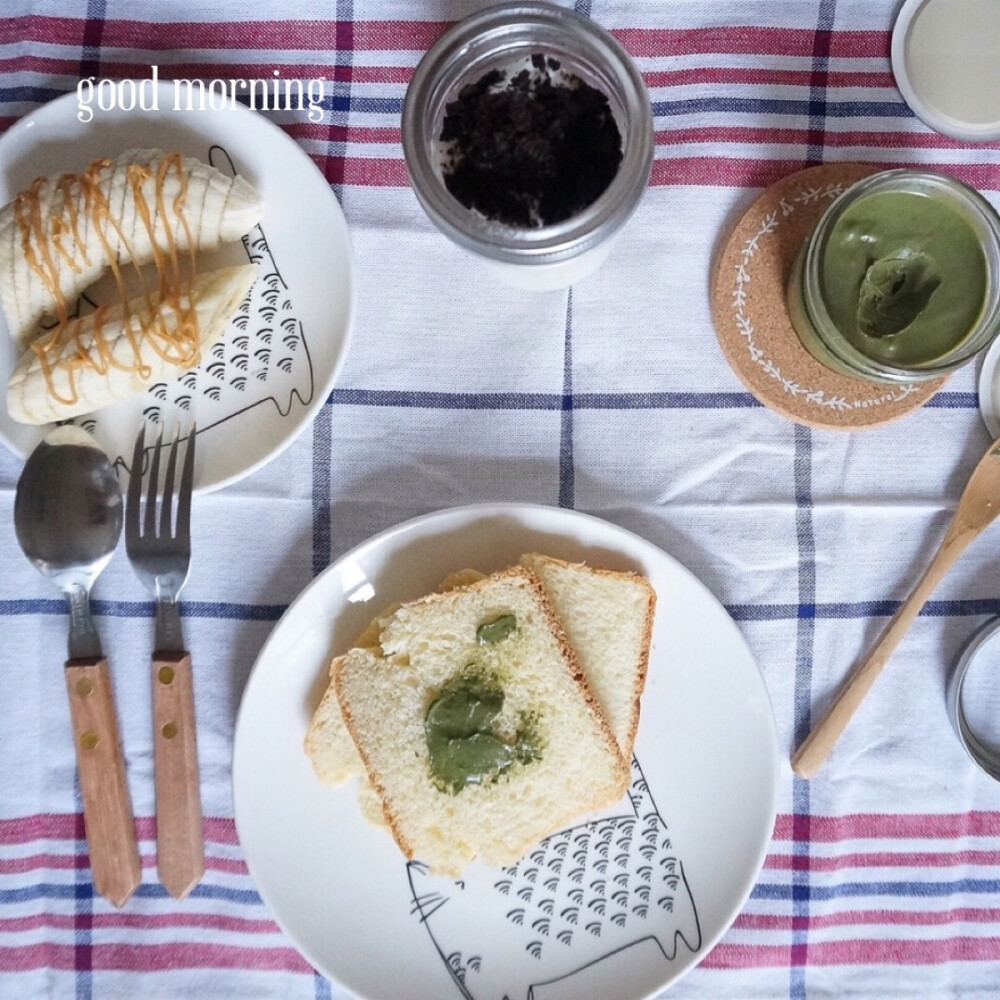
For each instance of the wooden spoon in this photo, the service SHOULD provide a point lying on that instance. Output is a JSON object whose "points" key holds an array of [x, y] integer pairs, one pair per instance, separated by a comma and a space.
{"points": [[978, 507]]}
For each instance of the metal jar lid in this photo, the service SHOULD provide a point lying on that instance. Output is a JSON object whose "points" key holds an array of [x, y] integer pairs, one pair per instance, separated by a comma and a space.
{"points": [[985, 755], [493, 38]]}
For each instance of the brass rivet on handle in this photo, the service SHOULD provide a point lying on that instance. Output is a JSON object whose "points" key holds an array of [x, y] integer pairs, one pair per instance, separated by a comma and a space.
{"points": [[169, 731], [166, 675], [89, 740], [84, 686]]}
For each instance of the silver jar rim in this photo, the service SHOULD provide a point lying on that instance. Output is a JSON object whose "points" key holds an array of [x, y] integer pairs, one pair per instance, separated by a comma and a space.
{"points": [[500, 34], [986, 222]]}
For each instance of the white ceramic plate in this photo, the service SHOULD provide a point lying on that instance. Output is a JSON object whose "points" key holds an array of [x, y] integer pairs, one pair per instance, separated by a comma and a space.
{"points": [[268, 375], [616, 907]]}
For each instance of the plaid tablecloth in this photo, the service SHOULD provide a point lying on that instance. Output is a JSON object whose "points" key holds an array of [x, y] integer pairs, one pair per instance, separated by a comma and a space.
{"points": [[882, 879]]}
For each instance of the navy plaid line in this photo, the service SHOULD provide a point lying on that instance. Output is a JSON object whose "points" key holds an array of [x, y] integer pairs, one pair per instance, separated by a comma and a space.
{"points": [[752, 613], [848, 890], [805, 108], [417, 399], [52, 890], [147, 609], [954, 401], [359, 104], [834, 611]]}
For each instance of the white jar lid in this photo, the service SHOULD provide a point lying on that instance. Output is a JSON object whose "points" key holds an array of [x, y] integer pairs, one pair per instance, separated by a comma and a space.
{"points": [[989, 390], [945, 60]]}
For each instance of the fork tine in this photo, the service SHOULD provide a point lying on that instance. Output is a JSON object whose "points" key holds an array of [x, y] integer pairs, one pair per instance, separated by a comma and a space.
{"points": [[135, 489], [184, 494], [149, 522], [166, 504]]}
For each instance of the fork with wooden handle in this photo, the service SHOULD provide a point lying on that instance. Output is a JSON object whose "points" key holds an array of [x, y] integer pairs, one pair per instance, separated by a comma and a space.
{"points": [[161, 558], [978, 506]]}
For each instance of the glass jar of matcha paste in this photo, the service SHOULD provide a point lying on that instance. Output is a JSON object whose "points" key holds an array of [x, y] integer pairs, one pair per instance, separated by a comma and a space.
{"points": [[900, 279]]}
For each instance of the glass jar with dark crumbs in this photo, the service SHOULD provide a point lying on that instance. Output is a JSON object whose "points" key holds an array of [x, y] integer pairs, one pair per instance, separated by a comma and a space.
{"points": [[529, 140]]}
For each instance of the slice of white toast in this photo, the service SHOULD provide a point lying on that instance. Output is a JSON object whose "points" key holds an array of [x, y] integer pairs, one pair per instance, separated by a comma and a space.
{"points": [[608, 618], [574, 765]]}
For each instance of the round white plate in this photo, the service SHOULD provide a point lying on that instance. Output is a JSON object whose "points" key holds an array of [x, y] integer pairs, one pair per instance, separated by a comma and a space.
{"points": [[619, 906], [262, 383]]}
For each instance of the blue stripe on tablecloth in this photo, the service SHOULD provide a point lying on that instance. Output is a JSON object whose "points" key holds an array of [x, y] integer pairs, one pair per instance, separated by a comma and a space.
{"points": [[148, 890], [850, 890], [566, 478], [322, 451], [228, 611], [147, 609], [83, 952], [804, 647], [361, 104], [751, 613], [805, 537], [83, 907], [323, 427], [429, 400]]}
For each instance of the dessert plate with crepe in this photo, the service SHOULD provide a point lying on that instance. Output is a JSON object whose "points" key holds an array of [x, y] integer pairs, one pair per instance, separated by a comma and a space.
{"points": [[522, 634], [186, 267]]}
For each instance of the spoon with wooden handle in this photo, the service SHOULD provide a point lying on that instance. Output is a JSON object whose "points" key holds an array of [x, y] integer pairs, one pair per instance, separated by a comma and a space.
{"points": [[978, 506]]}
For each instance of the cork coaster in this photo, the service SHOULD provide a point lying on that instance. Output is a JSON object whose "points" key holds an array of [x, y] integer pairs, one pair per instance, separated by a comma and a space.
{"points": [[751, 319]]}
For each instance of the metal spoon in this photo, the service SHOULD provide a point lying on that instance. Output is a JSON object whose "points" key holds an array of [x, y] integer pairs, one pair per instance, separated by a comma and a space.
{"points": [[68, 518]]}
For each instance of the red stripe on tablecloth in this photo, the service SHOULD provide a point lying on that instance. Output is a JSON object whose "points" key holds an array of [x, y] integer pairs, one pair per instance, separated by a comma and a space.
{"points": [[60, 862], [864, 952], [136, 921], [883, 859], [418, 35], [857, 918], [894, 826], [667, 172], [340, 133], [759, 41], [137, 70], [31, 63], [796, 136], [255, 36], [64, 826], [363, 171], [764, 77], [154, 957]]}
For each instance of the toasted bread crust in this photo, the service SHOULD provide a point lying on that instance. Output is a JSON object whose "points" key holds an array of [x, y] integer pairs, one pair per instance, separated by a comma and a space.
{"points": [[620, 764], [647, 634]]}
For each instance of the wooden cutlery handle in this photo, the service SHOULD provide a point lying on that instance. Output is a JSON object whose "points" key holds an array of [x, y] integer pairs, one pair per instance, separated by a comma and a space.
{"points": [[180, 847], [107, 807], [817, 746]]}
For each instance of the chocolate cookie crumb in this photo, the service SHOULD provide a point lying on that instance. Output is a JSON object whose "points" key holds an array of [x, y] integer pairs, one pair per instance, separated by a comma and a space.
{"points": [[531, 152]]}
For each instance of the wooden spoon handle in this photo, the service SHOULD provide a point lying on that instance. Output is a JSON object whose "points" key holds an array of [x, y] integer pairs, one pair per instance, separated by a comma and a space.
{"points": [[107, 807], [817, 746], [180, 847]]}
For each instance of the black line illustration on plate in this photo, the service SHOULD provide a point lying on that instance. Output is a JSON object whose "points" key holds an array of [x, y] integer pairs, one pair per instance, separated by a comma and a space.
{"points": [[263, 356], [611, 889]]}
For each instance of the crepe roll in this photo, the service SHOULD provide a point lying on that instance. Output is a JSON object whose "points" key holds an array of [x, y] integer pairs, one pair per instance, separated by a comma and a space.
{"points": [[121, 351], [58, 237]]}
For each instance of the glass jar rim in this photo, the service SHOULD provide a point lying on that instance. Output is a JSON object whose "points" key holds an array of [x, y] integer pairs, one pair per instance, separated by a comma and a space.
{"points": [[905, 179], [446, 62]]}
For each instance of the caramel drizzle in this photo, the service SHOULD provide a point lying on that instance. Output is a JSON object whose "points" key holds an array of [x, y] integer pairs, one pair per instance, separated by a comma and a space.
{"points": [[46, 252]]}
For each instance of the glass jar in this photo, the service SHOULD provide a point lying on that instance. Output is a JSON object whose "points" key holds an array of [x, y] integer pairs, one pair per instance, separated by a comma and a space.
{"points": [[501, 38], [813, 278]]}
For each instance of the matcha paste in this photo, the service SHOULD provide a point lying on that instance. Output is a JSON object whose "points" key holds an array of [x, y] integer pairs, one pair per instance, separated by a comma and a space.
{"points": [[496, 630], [459, 728], [903, 277]]}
